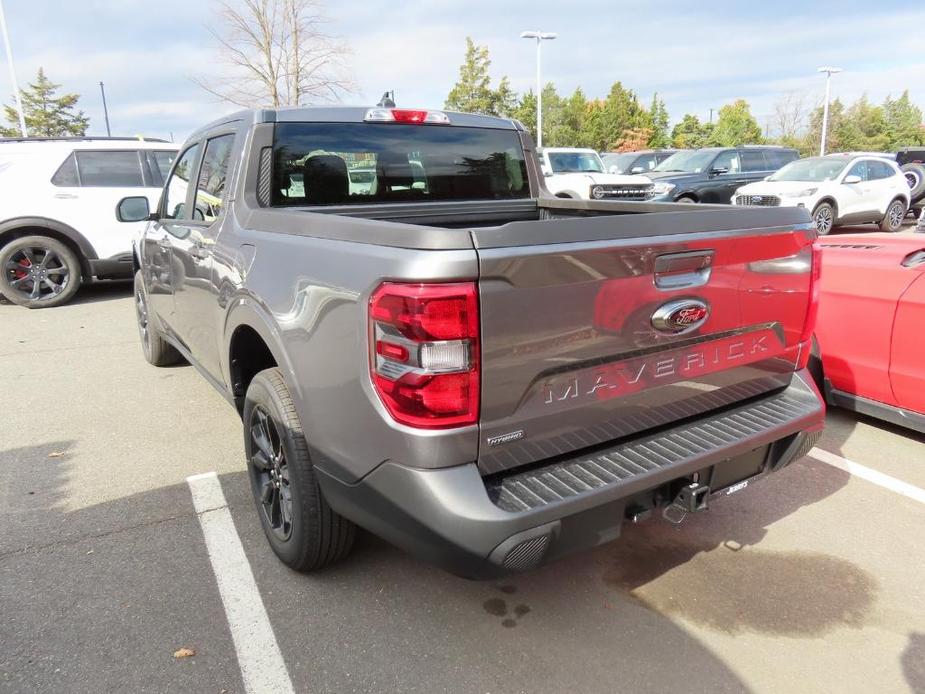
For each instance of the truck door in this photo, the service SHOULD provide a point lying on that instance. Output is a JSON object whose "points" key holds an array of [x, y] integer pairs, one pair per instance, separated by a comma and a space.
{"points": [[907, 373], [195, 295]]}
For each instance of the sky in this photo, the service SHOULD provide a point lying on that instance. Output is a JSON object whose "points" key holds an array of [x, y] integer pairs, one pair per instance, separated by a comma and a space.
{"points": [[696, 56]]}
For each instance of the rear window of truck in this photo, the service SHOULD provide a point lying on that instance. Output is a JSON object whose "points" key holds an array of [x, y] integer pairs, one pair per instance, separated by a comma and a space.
{"points": [[357, 163]]}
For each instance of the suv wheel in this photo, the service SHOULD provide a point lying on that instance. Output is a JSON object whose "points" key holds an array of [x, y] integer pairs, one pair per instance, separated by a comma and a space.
{"points": [[824, 218], [156, 349], [895, 214], [38, 272], [304, 532]]}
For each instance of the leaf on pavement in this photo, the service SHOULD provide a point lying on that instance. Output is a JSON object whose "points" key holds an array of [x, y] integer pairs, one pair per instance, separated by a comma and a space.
{"points": [[184, 653], [55, 454]]}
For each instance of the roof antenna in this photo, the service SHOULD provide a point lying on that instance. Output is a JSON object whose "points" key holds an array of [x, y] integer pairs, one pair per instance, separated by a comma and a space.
{"points": [[387, 100]]}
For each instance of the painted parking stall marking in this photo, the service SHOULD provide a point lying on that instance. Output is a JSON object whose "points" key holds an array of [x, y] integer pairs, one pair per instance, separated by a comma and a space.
{"points": [[262, 667], [894, 485]]}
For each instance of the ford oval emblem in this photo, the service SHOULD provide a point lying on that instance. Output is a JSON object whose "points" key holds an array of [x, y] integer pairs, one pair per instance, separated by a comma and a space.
{"points": [[680, 316]]}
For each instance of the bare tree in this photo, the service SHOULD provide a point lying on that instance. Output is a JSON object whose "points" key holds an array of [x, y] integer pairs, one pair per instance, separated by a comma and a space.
{"points": [[278, 53], [789, 116]]}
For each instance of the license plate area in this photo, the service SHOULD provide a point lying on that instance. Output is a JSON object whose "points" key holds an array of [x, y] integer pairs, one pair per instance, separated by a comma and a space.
{"points": [[732, 472]]}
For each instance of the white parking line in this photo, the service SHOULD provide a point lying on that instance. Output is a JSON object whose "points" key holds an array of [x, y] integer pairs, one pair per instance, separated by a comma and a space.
{"points": [[262, 665], [894, 485]]}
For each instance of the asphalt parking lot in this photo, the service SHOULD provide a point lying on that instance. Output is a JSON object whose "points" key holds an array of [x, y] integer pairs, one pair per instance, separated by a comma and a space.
{"points": [[809, 581]]}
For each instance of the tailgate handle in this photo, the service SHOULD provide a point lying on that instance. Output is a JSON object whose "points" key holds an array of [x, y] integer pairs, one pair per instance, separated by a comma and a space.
{"points": [[683, 270]]}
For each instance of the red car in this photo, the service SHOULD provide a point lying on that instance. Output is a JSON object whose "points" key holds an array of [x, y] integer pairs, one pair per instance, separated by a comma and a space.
{"points": [[870, 337]]}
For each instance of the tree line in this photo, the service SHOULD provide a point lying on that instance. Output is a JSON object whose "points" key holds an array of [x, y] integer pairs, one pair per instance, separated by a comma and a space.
{"points": [[620, 122], [297, 63]]}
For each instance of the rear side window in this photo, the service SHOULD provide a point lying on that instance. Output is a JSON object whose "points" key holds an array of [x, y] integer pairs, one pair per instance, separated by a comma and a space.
{"points": [[753, 160], [66, 175], [110, 169], [213, 174], [877, 170], [357, 163], [163, 160], [777, 158]]}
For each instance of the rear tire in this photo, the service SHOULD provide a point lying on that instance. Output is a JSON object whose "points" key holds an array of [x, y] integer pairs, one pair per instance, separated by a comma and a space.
{"points": [[303, 531], [38, 272], [824, 218], [156, 349], [894, 217]]}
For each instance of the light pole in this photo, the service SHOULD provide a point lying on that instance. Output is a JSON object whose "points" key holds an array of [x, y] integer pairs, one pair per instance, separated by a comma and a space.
{"points": [[105, 110], [539, 36], [829, 71], [9, 62]]}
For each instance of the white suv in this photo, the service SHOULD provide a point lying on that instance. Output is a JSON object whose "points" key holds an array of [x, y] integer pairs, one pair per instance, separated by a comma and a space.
{"points": [[837, 189], [58, 225], [571, 172]]}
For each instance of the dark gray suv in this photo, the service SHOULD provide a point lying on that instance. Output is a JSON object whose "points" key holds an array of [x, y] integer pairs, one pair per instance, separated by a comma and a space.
{"points": [[713, 174]]}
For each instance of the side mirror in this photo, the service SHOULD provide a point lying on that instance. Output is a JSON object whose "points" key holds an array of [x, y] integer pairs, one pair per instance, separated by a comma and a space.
{"points": [[546, 171], [614, 169], [851, 180], [719, 170], [636, 170], [133, 209]]}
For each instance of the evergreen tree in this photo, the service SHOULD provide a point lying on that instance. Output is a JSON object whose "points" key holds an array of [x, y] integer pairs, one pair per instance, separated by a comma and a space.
{"points": [[903, 121], [736, 126], [658, 114], [525, 112], [472, 93], [47, 115]]}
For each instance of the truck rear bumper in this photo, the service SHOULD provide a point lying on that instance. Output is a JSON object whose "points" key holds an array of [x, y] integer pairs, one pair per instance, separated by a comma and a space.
{"points": [[485, 527]]}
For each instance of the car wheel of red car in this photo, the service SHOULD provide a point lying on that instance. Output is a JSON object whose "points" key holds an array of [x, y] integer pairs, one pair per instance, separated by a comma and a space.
{"points": [[824, 218], [895, 214]]}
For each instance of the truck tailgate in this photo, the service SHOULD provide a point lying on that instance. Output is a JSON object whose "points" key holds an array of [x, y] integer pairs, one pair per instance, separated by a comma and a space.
{"points": [[588, 341]]}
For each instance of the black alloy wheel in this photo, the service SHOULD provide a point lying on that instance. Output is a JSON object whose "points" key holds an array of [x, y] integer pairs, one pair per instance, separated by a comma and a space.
{"points": [[38, 272], [270, 472]]}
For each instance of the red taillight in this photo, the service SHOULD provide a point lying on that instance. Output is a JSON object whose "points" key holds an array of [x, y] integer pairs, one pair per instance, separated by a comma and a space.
{"points": [[424, 352], [406, 115], [812, 311]]}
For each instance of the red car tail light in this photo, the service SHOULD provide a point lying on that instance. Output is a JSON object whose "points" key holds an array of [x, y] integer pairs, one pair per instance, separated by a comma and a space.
{"points": [[424, 352]]}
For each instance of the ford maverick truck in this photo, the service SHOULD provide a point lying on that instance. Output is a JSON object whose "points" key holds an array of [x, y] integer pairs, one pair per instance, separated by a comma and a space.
{"points": [[422, 341]]}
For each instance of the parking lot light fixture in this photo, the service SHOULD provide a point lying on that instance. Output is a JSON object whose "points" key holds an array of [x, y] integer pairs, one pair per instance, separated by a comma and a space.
{"points": [[9, 62], [539, 37], [829, 71]]}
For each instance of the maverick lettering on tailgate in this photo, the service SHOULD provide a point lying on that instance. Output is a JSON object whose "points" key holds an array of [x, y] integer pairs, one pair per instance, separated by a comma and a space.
{"points": [[633, 375]]}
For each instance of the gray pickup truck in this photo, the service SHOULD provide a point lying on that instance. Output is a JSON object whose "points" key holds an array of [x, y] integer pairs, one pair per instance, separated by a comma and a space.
{"points": [[422, 341]]}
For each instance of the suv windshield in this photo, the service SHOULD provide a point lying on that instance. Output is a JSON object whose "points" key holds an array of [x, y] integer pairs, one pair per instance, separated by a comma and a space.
{"points": [[363, 163], [814, 169], [575, 162], [692, 161], [619, 163]]}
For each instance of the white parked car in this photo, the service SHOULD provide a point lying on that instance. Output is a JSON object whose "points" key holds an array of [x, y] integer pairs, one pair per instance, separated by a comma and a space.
{"points": [[837, 189], [580, 173], [58, 226]]}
